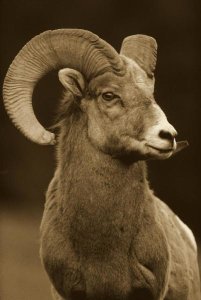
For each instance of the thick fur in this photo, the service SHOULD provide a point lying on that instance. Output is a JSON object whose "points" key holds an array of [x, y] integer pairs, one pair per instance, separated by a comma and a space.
{"points": [[104, 235]]}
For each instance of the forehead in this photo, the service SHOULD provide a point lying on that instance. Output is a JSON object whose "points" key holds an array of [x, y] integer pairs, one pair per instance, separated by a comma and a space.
{"points": [[134, 77], [107, 80]]}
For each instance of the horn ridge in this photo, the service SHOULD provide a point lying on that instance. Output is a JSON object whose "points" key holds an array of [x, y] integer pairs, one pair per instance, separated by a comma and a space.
{"points": [[52, 49]]}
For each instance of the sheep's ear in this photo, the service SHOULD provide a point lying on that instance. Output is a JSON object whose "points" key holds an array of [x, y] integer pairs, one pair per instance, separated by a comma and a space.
{"points": [[72, 80]]}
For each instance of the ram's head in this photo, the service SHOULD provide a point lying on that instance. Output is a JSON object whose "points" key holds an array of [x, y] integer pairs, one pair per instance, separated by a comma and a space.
{"points": [[114, 91]]}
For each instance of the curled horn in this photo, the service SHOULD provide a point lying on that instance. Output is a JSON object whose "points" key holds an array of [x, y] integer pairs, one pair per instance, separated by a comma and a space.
{"points": [[143, 50], [73, 48]]}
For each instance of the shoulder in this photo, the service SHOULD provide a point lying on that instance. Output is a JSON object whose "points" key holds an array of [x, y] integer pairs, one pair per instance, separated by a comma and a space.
{"points": [[172, 220], [187, 233]]}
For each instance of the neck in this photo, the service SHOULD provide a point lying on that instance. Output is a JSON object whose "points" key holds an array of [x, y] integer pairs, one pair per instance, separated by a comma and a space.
{"points": [[101, 198], [86, 172]]}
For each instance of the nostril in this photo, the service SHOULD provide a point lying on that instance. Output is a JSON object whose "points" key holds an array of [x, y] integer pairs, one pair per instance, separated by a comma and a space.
{"points": [[166, 135]]}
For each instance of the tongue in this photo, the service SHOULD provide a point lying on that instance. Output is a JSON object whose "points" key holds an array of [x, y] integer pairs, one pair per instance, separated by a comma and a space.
{"points": [[180, 146]]}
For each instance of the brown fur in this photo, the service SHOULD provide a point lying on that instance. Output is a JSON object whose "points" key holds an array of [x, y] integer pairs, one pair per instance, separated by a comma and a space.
{"points": [[104, 235]]}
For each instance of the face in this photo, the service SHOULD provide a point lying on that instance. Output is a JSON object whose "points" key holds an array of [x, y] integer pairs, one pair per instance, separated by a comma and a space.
{"points": [[123, 117]]}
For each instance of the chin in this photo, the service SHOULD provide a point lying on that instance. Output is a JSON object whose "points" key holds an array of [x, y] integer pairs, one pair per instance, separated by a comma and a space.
{"points": [[143, 152], [159, 154]]}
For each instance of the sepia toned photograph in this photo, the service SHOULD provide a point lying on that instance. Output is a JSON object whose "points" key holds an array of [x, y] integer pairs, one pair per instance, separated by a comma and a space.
{"points": [[100, 185]]}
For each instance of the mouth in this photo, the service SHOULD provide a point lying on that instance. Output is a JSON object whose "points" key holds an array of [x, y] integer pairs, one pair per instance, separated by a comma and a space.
{"points": [[161, 150]]}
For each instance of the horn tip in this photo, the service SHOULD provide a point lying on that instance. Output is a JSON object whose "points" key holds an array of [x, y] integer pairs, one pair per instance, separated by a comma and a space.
{"points": [[47, 138]]}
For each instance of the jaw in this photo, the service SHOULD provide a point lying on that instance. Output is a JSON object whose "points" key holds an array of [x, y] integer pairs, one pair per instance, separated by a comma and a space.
{"points": [[147, 151], [164, 153], [160, 154], [131, 149]]}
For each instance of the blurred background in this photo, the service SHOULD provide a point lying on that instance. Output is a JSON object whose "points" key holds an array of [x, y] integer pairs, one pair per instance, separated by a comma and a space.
{"points": [[26, 168]]}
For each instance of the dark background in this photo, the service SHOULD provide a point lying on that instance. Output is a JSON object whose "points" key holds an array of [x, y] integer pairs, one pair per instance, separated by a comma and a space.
{"points": [[26, 168]]}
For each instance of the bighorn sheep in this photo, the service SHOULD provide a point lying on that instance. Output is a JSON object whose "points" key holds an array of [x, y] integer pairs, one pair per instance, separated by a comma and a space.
{"points": [[104, 235]]}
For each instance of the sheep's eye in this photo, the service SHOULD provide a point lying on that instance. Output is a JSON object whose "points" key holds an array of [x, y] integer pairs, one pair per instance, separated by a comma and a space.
{"points": [[108, 96]]}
